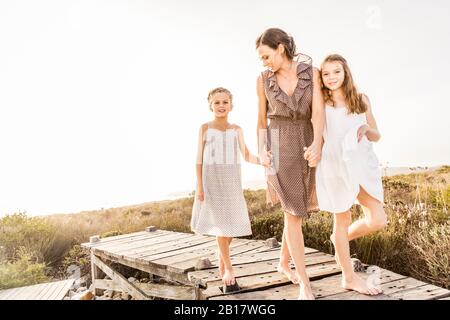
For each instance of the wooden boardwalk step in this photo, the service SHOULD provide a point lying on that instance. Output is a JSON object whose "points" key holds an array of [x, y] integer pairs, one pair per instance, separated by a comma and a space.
{"points": [[45, 291], [175, 256]]}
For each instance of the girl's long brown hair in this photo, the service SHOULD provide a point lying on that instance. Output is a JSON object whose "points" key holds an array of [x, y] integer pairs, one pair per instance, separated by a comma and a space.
{"points": [[355, 102]]}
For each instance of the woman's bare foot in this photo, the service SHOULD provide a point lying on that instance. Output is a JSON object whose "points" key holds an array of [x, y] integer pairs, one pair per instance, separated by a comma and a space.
{"points": [[332, 238], [359, 285], [305, 293], [228, 277], [288, 272]]}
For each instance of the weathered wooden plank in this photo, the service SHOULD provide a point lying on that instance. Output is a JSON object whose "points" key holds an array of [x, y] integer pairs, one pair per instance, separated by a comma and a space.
{"points": [[25, 293], [104, 284], [182, 278], [182, 265], [398, 283], [254, 257], [44, 290], [175, 249], [353, 295], [119, 238], [195, 252], [64, 289], [401, 285], [5, 293], [159, 245], [112, 243], [51, 291], [172, 292], [205, 276], [30, 292], [150, 239], [426, 292], [258, 284], [332, 285], [163, 265], [117, 277], [15, 294]]}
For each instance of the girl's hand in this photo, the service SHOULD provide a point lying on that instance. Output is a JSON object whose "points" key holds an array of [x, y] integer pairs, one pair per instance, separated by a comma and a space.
{"points": [[312, 154], [362, 131], [266, 161]]}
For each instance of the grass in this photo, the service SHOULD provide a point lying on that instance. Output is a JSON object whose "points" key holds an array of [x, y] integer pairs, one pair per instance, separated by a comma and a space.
{"points": [[416, 241]]}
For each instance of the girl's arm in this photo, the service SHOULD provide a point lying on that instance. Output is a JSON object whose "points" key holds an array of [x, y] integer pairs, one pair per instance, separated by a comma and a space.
{"points": [[244, 150], [371, 129], [313, 152], [199, 162]]}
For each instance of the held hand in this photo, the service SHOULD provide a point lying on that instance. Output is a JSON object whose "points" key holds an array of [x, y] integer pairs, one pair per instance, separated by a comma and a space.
{"points": [[362, 131], [312, 154], [200, 195], [266, 159]]}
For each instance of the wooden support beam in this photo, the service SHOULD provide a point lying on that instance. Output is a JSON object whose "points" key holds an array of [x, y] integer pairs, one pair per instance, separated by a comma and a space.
{"points": [[118, 278]]}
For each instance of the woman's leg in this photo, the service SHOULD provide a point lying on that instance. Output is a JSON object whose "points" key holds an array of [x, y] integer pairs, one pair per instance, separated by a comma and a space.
{"points": [[374, 216], [294, 239], [350, 280], [283, 266], [228, 277]]}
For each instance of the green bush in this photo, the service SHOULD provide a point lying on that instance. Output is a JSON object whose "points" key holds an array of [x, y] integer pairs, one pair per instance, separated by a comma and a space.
{"points": [[79, 257], [23, 270], [267, 226], [34, 233]]}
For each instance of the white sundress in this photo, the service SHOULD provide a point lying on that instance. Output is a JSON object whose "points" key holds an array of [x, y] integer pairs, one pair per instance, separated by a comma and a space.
{"points": [[224, 209], [345, 164]]}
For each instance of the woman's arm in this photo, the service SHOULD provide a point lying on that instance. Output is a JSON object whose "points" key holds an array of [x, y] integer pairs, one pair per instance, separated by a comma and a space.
{"points": [[371, 129], [313, 152], [199, 162], [262, 117]]}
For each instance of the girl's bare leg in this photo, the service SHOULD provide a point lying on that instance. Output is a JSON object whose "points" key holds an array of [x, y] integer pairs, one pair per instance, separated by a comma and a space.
{"points": [[374, 217], [350, 280], [228, 277]]}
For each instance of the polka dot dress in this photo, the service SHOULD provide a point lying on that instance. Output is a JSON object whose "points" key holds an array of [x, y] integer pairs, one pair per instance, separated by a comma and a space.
{"points": [[291, 181], [224, 210]]}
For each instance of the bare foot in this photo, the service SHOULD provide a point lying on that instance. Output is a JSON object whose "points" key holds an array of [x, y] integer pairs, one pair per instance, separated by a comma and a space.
{"points": [[305, 293], [359, 285], [335, 254], [228, 277], [288, 272], [221, 265]]}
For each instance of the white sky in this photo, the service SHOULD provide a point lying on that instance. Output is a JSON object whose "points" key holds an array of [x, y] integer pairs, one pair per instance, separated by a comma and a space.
{"points": [[100, 101]]}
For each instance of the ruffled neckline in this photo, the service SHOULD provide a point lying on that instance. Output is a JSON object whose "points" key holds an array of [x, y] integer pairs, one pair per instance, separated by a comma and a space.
{"points": [[304, 80]]}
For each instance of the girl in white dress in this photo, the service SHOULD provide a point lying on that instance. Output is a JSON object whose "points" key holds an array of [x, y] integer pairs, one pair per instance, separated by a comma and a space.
{"points": [[348, 171], [219, 206]]}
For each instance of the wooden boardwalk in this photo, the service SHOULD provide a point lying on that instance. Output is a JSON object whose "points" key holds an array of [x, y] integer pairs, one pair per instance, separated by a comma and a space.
{"points": [[181, 257], [45, 291]]}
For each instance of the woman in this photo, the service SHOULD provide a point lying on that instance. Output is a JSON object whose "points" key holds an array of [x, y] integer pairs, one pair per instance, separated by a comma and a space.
{"points": [[289, 94]]}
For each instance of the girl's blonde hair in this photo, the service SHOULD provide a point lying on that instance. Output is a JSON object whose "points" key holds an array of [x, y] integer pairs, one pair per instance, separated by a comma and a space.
{"points": [[218, 90], [355, 102]]}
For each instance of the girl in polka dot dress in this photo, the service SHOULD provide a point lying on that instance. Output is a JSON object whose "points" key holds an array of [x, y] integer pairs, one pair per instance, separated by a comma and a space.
{"points": [[219, 206]]}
